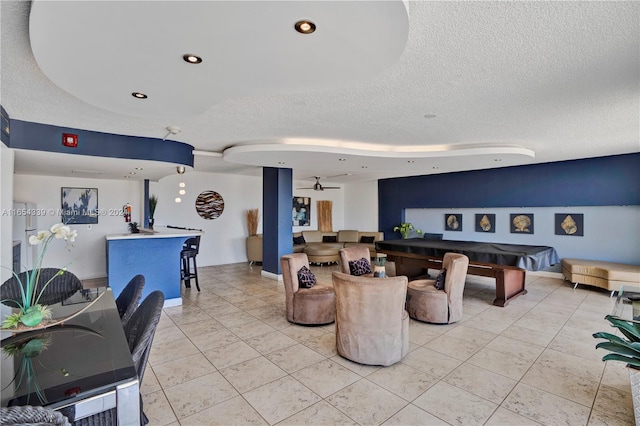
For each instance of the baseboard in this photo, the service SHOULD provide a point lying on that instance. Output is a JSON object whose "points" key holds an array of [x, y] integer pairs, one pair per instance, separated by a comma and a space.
{"points": [[546, 274], [271, 275]]}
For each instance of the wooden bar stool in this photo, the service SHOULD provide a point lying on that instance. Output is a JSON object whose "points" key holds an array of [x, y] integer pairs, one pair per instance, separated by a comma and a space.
{"points": [[187, 256]]}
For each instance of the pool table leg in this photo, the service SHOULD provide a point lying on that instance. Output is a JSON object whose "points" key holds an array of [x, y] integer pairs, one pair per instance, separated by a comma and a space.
{"points": [[509, 284]]}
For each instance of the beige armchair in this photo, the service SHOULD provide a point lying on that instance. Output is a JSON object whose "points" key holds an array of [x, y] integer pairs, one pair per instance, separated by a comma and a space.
{"points": [[372, 326], [254, 248], [315, 305], [426, 303], [353, 253]]}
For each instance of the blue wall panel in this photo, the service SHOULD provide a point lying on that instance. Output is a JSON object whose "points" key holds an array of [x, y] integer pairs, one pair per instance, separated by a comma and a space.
{"points": [[602, 181], [277, 202], [45, 137]]}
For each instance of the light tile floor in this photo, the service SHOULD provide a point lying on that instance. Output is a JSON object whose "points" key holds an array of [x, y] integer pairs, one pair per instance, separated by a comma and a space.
{"points": [[228, 356]]}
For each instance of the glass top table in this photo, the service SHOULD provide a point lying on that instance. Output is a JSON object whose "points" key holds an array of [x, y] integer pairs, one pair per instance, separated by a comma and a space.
{"points": [[81, 367], [627, 305]]}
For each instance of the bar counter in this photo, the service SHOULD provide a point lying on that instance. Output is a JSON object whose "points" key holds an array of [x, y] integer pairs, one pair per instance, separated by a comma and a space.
{"points": [[154, 254]]}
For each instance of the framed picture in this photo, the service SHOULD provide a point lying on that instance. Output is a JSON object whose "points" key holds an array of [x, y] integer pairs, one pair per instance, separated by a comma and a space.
{"points": [[521, 223], [485, 222], [570, 224], [453, 222], [301, 214], [79, 205]]}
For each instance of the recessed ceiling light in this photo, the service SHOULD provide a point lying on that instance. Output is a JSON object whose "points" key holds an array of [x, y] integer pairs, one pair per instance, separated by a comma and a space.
{"points": [[281, 162], [177, 200], [181, 185], [430, 116], [132, 173], [139, 95], [191, 58], [305, 27], [497, 159], [411, 161], [342, 159], [138, 168], [435, 167], [365, 167]]}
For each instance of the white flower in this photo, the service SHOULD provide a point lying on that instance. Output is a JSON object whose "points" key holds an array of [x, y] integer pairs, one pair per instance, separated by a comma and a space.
{"points": [[62, 231], [71, 236], [34, 240]]}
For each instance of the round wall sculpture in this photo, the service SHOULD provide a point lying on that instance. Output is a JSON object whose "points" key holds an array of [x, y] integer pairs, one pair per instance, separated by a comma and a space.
{"points": [[209, 205]]}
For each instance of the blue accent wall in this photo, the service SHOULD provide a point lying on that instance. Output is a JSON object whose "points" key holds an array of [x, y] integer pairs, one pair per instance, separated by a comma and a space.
{"points": [[601, 181], [277, 202], [45, 137], [158, 259]]}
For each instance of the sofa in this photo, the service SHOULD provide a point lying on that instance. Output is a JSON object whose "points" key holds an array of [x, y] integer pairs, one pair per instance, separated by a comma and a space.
{"points": [[319, 250], [597, 273]]}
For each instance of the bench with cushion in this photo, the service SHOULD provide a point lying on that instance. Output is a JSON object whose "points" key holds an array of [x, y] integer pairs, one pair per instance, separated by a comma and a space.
{"points": [[607, 275], [320, 250]]}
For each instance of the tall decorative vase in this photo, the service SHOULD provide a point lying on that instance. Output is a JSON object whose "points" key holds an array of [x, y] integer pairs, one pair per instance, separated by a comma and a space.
{"points": [[151, 220], [634, 379]]}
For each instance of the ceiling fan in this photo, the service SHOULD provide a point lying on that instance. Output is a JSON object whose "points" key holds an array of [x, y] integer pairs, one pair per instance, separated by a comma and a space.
{"points": [[318, 186]]}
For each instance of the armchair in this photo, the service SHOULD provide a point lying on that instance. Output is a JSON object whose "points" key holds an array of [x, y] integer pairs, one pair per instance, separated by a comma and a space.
{"points": [[372, 326], [426, 303], [307, 306], [352, 253]]}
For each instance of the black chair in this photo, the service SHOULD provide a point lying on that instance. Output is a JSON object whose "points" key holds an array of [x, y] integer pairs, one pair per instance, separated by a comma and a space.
{"points": [[29, 415], [139, 332], [62, 286], [434, 237], [188, 255], [128, 300]]}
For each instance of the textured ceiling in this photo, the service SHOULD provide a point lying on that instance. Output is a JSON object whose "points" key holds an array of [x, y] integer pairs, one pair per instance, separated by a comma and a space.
{"points": [[520, 82]]}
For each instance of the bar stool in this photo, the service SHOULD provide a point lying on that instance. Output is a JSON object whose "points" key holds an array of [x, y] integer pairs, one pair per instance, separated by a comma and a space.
{"points": [[189, 252]]}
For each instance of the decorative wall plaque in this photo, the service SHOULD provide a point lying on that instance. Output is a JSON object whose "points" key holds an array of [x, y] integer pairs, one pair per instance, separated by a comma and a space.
{"points": [[209, 205], [522, 223], [485, 222], [453, 222], [569, 224]]}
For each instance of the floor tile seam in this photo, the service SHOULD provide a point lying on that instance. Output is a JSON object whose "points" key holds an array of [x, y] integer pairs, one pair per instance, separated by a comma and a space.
{"points": [[175, 415], [474, 394], [153, 366]]}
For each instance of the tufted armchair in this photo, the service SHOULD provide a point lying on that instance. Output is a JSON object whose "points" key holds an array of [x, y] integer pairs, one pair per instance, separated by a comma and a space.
{"points": [[307, 306], [372, 326]]}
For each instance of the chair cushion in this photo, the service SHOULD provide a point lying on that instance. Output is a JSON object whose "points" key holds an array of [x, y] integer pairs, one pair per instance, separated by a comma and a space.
{"points": [[330, 239], [359, 267], [439, 284], [298, 240], [306, 279], [367, 240]]}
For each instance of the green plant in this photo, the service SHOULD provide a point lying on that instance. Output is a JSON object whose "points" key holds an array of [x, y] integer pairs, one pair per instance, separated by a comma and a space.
{"points": [[153, 203], [405, 229], [30, 312], [621, 349]]}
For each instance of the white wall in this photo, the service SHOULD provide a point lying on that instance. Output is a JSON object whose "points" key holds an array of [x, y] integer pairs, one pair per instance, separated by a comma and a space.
{"points": [[336, 196], [88, 256], [6, 204], [224, 238], [603, 228], [361, 206]]}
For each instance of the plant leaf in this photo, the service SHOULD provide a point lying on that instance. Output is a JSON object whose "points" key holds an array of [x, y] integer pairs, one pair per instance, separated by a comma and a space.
{"points": [[630, 330], [615, 357], [619, 348]]}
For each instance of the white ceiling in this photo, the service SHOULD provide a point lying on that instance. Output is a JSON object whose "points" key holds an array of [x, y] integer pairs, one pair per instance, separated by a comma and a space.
{"points": [[509, 83]]}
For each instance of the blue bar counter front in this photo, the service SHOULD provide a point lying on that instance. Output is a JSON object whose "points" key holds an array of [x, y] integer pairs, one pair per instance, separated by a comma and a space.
{"points": [[156, 256]]}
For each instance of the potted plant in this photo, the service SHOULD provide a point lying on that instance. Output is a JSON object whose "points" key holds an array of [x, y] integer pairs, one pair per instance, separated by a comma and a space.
{"points": [[405, 229], [153, 203], [625, 349]]}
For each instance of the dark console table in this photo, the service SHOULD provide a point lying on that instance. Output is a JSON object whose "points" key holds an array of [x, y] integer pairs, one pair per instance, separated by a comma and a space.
{"points": [[507, 263]]}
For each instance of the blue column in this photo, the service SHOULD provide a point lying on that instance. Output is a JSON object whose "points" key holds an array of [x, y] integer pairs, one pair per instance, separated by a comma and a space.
{"points": [[277, 227], [145, 208]]}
